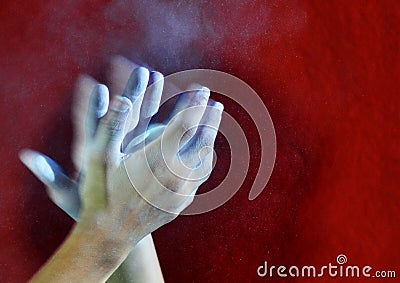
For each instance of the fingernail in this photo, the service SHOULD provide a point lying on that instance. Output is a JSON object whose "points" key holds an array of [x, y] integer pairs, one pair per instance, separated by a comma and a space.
{"points": [[143, 75], [44, 168], [218, 105], [100, 97], [137, 83], [23, 155], [120, 104], [205, 89], [101, 88], [204, 94], [155, 77]]}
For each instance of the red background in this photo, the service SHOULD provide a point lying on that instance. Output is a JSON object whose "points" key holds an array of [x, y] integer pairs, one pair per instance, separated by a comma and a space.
{"points": [[328, 71]]}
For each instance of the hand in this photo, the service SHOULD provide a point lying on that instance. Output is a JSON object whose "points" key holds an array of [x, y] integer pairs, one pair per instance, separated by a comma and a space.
{"points": [[141, 265], [110, 199], [61, 188]]}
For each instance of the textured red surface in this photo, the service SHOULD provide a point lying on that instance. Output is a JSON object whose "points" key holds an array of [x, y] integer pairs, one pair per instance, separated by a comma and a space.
{"points": [[328, 72]]}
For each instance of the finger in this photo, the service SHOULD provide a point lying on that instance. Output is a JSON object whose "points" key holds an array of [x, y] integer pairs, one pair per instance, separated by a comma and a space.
{"points": [[181, 104], [119, 73], [202, 143], [198, 153], [134, 91], [152, 97], [184, 124], [184, 100], [82, 93], [62, 190], [182, 195], [193, 182], [150, 105], [98, 105], [109, 135]]}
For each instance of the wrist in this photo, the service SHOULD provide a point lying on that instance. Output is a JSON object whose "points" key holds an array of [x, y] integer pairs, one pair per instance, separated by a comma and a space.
{"points": [[103, 242], [104, 228], [85, 256]]}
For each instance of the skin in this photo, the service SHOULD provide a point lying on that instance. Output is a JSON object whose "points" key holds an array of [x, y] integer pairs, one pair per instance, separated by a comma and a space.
{"points": [[119, 211], [142, 263]]}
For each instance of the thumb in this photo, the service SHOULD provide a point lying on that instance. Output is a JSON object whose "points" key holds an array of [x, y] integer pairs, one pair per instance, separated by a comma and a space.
{"points": [[62, 190]]}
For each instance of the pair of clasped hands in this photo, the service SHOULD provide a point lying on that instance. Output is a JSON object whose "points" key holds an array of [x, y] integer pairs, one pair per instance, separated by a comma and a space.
{"points": [[132, 176]]}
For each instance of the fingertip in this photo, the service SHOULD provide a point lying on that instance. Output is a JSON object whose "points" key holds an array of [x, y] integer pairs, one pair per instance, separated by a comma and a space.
{"points": [[204, 93], [26, 155], [100, 100], [101, 88], [155, 77], [215, 105], [142, 71], [198, 93], [205, 89], [218, 105], [142, 76], [137, 83], [151, 100], [38, 164]]}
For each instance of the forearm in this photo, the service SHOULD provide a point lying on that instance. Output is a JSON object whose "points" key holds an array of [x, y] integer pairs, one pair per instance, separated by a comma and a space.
{"points": [[141, 265], [85, 256]]}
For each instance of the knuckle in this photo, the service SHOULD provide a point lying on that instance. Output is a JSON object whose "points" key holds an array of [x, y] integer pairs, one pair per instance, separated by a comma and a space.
{"points": [[187, 135], [186, 131], [206, 141], [206, 150], [115, 126], [155, 162], [173, 184], [187, 128]]}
